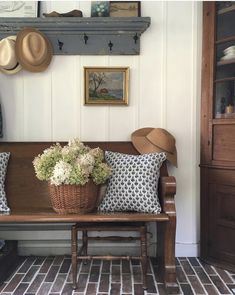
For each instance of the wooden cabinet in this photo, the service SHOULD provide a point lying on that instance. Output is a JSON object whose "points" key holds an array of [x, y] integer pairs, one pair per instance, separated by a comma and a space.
{"points": [[218, 134]]}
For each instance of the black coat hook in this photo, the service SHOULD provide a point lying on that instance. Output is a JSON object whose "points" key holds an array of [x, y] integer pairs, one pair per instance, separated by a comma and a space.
{"points": [[85, 38], [60, 44], [136, 38], [110, 45]]}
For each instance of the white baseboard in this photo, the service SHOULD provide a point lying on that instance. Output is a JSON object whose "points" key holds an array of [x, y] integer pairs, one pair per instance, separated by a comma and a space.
{"points": [[62, 247], [36, 240], [187, 250]]}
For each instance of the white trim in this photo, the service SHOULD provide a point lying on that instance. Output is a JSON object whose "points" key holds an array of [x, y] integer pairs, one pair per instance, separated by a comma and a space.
{"points": [[164, 67], [61, 247], [187, 250]]}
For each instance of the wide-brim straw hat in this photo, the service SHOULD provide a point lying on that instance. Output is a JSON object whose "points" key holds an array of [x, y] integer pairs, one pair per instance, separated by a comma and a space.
{"points": [[33, 50], [151, 140], [8, 61]]}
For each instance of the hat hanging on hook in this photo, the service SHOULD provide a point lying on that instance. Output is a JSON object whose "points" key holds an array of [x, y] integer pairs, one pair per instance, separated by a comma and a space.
{"points": [[8, 61], [33, 50]]}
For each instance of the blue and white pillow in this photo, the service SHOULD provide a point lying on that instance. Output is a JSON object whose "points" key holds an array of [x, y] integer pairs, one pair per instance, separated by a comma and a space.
{"points": [[4, 157], [133, 185]]}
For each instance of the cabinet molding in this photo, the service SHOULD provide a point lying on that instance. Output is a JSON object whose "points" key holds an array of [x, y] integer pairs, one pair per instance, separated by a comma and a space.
{"points": [[84, 36]]}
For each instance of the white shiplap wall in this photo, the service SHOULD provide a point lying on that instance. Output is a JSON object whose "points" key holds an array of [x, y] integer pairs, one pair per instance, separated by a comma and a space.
{"points": [[164, 92]]}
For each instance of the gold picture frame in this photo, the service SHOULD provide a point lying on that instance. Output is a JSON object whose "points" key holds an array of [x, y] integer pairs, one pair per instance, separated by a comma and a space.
{"points": [[106, 85], [124, 8]]}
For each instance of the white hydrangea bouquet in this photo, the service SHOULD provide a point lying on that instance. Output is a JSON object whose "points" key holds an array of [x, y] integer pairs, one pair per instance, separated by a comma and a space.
{"points": [[68, 169], [75, 163]]}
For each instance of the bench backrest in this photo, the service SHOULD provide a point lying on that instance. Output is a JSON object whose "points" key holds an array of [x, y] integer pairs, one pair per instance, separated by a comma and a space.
{"points": [[23, 189]]}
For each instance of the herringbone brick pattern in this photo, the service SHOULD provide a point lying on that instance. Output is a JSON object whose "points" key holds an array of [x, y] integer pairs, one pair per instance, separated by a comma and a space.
{"points": [[52, 276]]}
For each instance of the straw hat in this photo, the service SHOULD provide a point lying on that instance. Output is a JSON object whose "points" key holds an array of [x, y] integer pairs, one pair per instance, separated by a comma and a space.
{"points": [[33, 50], [150, 140], [8, 60]]}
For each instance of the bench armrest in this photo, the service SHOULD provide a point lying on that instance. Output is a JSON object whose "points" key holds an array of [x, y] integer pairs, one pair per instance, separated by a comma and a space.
{"points": [[167, 191]]}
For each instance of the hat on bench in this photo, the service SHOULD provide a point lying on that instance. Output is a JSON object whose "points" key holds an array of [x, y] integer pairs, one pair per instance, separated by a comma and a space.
{"points": [[151, 140]]}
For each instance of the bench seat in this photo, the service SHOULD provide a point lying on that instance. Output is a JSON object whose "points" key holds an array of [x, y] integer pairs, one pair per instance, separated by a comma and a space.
{"points": [[49, 216]]}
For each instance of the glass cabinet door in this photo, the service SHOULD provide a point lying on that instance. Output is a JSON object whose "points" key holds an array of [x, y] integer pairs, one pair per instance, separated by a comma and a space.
{"points": [[224, 83]]}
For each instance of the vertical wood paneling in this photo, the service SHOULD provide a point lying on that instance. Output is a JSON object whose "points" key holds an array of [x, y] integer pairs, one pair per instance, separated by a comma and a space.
{"points": [[179, 107], [65, 101], [120, 128], [37, 106], [196, 94], [179, 83], [93, 118], [164, 67], [150, 87], [12, 103]]}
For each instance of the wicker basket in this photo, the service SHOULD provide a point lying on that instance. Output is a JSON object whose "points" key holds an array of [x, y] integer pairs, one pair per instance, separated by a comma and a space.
{"points": [[74, 198]]}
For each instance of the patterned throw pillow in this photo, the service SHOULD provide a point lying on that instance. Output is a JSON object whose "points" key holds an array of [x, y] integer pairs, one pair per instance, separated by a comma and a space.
{"points": [[4, 157], [134, 182]]}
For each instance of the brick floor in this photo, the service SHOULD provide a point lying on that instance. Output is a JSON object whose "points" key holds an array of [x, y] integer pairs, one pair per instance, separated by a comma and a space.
{"points": [[52, 276]]}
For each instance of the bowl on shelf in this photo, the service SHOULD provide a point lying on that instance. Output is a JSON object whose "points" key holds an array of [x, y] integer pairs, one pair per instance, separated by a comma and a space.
{"points": [[228, 56], [229, 50]]}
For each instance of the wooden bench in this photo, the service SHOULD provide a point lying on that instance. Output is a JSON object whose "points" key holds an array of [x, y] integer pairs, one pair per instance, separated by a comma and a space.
{"points": [[29, 202]]}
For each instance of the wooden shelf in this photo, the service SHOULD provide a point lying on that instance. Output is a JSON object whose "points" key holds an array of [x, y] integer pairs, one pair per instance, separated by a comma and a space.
{"points": [[224, 40], [225, 116], [226, 10], [123, 32], [224, 80], [223, 121], [218, 166]]}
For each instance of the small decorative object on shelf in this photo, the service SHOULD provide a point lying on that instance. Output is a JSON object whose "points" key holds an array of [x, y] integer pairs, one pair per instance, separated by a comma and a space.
{"points": [[72, 13], [99, 8], [229, 53], [229, 109], [74, 173]]}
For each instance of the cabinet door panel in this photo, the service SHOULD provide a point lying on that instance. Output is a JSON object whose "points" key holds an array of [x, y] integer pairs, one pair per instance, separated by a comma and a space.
{"points": [[224, 142], [222, 222]]}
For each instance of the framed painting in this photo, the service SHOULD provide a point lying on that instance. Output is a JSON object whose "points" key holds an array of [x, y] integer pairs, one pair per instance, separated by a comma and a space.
{"points": [[106, 85], [19, 8], [124, 9]]}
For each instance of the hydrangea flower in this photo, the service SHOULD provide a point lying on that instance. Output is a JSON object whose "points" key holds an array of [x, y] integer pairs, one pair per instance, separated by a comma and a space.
{"points": [[74, 163], [61, 173]]}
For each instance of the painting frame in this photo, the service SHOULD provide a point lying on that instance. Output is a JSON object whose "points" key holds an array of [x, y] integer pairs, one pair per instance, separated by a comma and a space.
{"points": [[125, 8], [106, 85], [20, 9]]}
